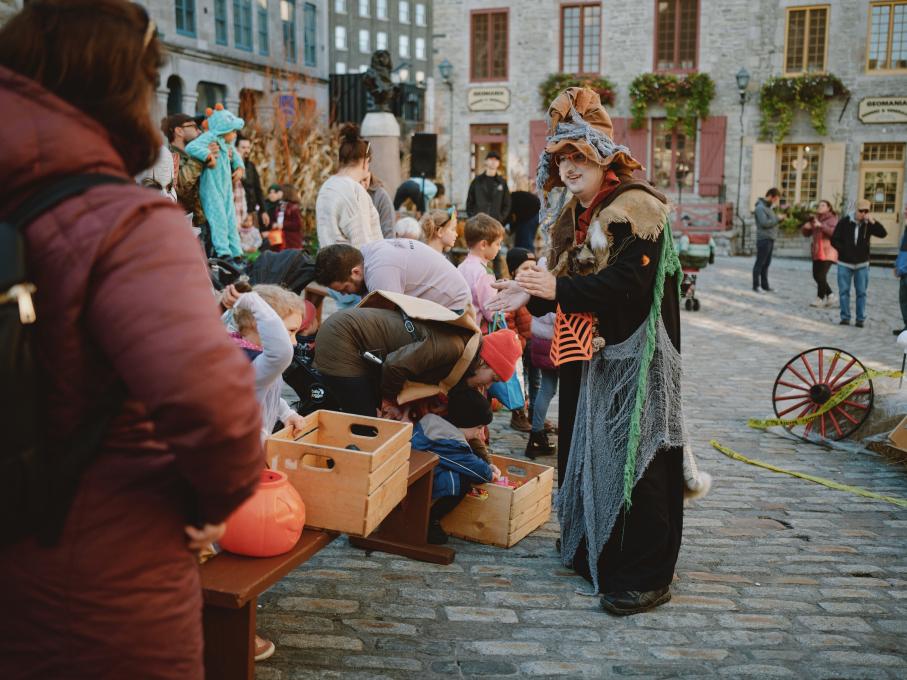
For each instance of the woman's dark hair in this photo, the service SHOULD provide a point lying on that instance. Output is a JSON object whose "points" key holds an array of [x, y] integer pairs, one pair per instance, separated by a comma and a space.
{"points": [[352, 147], [98, 56], [831, 208], [771, 193]]}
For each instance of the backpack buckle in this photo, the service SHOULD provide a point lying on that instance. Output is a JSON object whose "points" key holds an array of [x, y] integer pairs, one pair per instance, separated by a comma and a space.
{"points": [[22, 294]]}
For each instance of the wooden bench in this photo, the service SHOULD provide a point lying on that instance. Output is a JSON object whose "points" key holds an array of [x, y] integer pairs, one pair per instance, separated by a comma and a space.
{"points": [[231, 585], [404, 531]]}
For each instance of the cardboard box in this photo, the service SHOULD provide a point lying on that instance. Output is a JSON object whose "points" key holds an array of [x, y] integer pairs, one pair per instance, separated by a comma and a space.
{"points": [[898, 436], [345, 490], [506, 516]]}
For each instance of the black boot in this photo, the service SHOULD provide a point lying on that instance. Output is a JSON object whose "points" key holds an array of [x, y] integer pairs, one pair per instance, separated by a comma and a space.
{"points": [[539, 446], [628, 602], [436, 535]]}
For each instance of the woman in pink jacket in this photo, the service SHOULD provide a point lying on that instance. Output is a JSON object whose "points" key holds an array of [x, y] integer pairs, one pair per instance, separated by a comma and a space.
{"points": [[821, 227]]}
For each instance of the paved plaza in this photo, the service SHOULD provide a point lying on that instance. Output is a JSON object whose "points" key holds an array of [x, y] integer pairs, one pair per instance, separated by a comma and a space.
{"points": [[777, 577]]}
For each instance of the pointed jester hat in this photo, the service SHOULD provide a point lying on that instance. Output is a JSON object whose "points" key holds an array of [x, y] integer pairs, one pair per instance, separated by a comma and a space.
{"points": [[577, 120]]}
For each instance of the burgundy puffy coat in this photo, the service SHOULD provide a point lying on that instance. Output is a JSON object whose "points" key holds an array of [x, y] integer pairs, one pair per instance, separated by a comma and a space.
{"points": [[122, 294]]}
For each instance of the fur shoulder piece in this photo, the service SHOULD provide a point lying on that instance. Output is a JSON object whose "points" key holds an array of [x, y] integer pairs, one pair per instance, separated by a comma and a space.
{"points": [[645, 213]]}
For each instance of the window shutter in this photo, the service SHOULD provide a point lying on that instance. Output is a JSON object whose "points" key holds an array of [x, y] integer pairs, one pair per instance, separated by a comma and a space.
{"points": [[538, 131], [763, 177], [635, 140], [832, 179], [711, 155]]}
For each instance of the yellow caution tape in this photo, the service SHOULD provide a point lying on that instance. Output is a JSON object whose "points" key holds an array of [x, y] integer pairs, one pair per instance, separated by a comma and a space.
{"points": [[730, 453], [836, 400]]}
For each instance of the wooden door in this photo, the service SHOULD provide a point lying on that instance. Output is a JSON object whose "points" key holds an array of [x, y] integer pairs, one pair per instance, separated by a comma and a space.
{"points": [[882, 184]]}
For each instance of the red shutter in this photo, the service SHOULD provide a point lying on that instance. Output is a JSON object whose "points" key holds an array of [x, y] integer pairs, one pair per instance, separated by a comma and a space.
{"points": [[711, 155], [538, 131], [637, 140]]}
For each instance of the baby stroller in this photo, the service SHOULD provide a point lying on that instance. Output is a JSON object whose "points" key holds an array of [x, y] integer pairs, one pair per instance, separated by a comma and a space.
{"points": [[696, 251], [306, 381]]}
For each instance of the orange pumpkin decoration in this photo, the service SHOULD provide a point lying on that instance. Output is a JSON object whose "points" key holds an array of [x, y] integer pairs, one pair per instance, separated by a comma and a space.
{"points": [[270, 522]]}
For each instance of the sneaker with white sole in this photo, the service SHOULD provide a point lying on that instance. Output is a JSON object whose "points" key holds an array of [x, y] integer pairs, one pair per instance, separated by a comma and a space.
{"points": [[264, 649], [818, 302]]}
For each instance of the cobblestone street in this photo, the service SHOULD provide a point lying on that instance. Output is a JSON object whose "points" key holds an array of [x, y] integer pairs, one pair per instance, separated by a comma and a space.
{"points": [[777, 577]]}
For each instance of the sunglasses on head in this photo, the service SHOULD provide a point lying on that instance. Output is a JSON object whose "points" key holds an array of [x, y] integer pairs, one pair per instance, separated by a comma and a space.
{"points": [[863, 210], [575, 157]]}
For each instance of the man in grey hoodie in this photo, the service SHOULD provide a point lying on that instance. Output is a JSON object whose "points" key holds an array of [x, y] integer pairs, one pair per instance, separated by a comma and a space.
{"points": [[766, 233]]}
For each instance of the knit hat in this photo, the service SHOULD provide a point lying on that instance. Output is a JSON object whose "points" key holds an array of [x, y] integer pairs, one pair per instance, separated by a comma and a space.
{"points": [[468, 408], [516, 257], [577, 119], [500, 350]]}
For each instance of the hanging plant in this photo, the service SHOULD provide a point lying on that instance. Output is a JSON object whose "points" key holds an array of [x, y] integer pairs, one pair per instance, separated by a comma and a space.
{"points": [[685, 99], [556, 83], [781, 98]]}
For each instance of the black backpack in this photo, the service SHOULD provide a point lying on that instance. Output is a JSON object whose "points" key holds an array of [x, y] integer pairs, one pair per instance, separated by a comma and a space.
{"points": [[38, 485]]}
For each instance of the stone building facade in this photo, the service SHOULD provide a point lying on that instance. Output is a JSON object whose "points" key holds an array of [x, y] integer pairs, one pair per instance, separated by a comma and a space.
{"points": [[494, 93], [255, 56]]}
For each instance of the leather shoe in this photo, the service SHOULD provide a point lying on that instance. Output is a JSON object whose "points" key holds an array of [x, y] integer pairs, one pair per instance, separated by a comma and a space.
{"points": [[625, 602]]}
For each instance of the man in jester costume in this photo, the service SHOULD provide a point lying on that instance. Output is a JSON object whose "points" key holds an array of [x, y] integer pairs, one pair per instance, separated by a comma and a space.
{"points": [[612, 276], [216, 183]]}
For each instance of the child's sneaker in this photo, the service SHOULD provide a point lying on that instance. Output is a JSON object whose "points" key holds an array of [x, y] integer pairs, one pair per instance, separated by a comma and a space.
{"points": [[264, 649]]}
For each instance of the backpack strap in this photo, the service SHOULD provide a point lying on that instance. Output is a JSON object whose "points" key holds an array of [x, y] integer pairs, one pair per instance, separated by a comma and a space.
{"points": [[67, 187]]}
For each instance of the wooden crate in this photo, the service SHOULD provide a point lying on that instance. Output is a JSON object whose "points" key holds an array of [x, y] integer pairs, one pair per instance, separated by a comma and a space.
{"points": [[345, 490], [507, 515]]}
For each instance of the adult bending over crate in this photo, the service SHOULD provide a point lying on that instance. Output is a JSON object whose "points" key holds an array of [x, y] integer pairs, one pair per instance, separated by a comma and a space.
{"points": [[612, 278]]}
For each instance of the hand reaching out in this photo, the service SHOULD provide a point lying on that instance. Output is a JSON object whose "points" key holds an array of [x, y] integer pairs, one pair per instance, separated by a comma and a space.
{"points": [[296, 423], [510, 297], [539, 282]]}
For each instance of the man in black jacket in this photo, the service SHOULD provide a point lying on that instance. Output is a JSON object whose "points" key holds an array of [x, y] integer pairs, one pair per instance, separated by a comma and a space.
{"points": [[251, 180], [851, 240], [488, 192]]}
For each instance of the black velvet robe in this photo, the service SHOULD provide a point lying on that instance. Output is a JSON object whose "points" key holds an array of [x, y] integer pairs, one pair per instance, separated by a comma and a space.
{"points": [[643, 548]]}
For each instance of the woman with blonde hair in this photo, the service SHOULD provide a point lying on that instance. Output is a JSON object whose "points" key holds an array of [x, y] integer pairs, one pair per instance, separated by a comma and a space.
{"points": [[439, 229]]}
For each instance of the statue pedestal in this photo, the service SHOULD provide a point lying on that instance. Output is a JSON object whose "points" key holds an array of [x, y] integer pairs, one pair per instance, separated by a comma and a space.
{"points": [[382, 130]]}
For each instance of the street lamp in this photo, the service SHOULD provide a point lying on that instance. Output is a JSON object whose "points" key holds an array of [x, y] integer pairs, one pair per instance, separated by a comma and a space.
{"points": [[445, 68], [743, 80]]}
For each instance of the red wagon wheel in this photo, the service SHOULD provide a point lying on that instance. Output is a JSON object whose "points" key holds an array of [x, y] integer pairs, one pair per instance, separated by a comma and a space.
{"points": [[810, 380]]}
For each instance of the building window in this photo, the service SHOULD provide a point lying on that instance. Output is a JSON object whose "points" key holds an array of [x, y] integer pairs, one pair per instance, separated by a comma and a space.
{"points": [[220, 22], [381, 9], [420, 77], [489, 46], [185, 17], [380, 40], [340, 67], [340, 8], [404, 46], [883, 152], [340, 37], [580, 38], [263, 46], [807, 32], [404, 74], [309, 28], [676, 34], [403, 11], [363, 68], [420, 48], [242, 24], [673, 157], [288, 23], [364, 41], [207, 95], [798, 172], [363, 8], [420, 15], [887, 37]]}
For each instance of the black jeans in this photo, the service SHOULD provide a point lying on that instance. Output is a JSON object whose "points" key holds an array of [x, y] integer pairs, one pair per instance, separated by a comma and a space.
{"points": [[820, 276], [446, 504], [902, 298], [355, 395], [763, 260]]}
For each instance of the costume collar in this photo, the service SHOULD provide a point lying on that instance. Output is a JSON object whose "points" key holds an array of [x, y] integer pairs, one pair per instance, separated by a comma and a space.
{"points": [[609, 183]]}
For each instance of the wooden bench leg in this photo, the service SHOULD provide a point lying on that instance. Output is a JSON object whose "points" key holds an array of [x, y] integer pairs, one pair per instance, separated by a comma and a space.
{"points": [[406, 528], [230, 642]]}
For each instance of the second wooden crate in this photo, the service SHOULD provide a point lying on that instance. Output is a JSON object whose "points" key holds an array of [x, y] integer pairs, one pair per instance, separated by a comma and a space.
{"points": [[350, 490], [506, 516]]}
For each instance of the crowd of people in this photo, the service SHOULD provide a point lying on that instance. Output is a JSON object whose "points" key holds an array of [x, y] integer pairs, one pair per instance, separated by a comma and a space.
{"points": [[184, 383]]}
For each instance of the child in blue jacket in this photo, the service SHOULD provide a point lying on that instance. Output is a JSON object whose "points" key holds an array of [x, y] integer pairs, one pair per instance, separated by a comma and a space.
{"points": [[468, 413]]}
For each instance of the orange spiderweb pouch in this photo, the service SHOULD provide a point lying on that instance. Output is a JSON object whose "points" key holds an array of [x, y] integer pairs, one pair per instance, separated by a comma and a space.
{"points": [[572, 337]]}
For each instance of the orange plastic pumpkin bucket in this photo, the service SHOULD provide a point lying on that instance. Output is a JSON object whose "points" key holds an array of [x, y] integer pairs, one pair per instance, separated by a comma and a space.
{"points": [[270, 522]]}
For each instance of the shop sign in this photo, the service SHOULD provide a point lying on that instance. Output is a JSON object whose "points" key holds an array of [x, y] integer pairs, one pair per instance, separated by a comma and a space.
{"points": [[488, 99], [883, 110]]}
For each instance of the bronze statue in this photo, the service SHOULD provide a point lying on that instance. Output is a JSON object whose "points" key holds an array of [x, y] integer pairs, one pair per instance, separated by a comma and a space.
{"points": [[378, 83]]}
